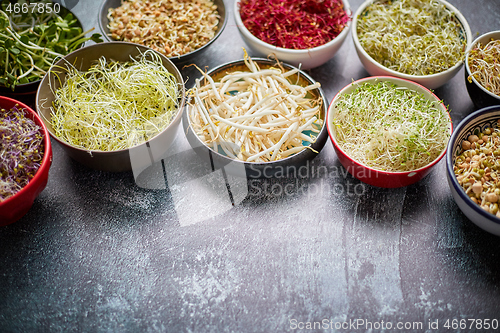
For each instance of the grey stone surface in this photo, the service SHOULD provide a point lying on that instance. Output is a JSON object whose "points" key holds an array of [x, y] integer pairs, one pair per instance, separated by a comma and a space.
{"points": [[102, 252]]}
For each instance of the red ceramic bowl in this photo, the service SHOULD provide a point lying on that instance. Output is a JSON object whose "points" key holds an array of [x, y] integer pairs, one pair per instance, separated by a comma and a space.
{"points": [[368, 174], [16, 206]]}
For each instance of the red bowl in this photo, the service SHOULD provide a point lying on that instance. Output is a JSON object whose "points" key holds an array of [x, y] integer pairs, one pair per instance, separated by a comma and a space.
{"points": [[16, 206], [368, 174]]}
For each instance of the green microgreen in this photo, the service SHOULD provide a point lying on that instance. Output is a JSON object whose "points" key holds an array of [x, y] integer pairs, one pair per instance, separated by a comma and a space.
{"points": [[30, 42]]}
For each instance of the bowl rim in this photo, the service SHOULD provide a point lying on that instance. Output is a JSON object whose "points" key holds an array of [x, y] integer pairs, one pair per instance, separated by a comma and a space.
{"points": [[27, 87], [392, 79], [267, 61], [178, 115], [467, 68], [338, 39], [359, 47], [464, 124], [174, 58], [47, 151]]}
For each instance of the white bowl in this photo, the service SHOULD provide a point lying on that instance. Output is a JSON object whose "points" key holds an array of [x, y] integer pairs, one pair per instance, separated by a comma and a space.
{"points": [[477, 120], [306, 58], [430, 81]]}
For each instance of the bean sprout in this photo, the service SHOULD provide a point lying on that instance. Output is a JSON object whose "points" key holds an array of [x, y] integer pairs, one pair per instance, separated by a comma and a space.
{"points": [[256, 115], [21, 150]]}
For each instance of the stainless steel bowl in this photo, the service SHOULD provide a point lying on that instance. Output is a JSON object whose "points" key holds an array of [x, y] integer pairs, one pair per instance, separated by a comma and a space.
{"points": [[120, 160], [286, 167], [103, 24]]}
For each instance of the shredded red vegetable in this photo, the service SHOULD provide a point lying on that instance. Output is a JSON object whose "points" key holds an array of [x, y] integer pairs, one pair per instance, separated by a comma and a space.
{"points": [[294, 24]]}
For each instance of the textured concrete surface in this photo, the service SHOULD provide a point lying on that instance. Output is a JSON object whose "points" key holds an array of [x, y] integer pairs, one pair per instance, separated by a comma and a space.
{"points": [[168, 252]]}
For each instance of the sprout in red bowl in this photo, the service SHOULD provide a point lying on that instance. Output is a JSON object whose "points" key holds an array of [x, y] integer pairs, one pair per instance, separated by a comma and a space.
{"points": [[388, 132], [25, 159]]}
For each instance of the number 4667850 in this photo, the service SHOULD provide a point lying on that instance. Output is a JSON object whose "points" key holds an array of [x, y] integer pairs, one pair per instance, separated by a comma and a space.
{"points": [[477, 324], [36, 8]]}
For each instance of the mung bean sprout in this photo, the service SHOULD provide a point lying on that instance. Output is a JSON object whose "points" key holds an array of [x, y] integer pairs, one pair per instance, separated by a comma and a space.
{"points": [[254, 114]]}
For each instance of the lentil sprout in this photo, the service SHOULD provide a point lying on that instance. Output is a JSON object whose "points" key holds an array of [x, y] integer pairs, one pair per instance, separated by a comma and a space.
{"points": [[21, 150], [171, 27], [477, 168]]}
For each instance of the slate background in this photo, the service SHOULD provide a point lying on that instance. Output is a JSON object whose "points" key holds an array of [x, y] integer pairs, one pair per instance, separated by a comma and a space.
{"points": [[104, 252]]}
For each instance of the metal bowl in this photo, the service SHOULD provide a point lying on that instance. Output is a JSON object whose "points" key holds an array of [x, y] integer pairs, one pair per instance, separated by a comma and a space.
{"points": [[103, 24], [120, 160], [285, 167]]}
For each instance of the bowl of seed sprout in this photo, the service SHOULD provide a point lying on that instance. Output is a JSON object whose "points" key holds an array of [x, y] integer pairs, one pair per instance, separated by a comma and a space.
{"points": [[305, 34], [482, 70], [32, 36], [112, 105], [387, 131], [25, 159], [473, 167], [422, 41], [262, 117], [180, 30]]}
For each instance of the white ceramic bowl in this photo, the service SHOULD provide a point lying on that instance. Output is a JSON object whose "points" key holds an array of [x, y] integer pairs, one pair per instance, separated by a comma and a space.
{"points": [[477, 120], [430, 81], [305, 59]]}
